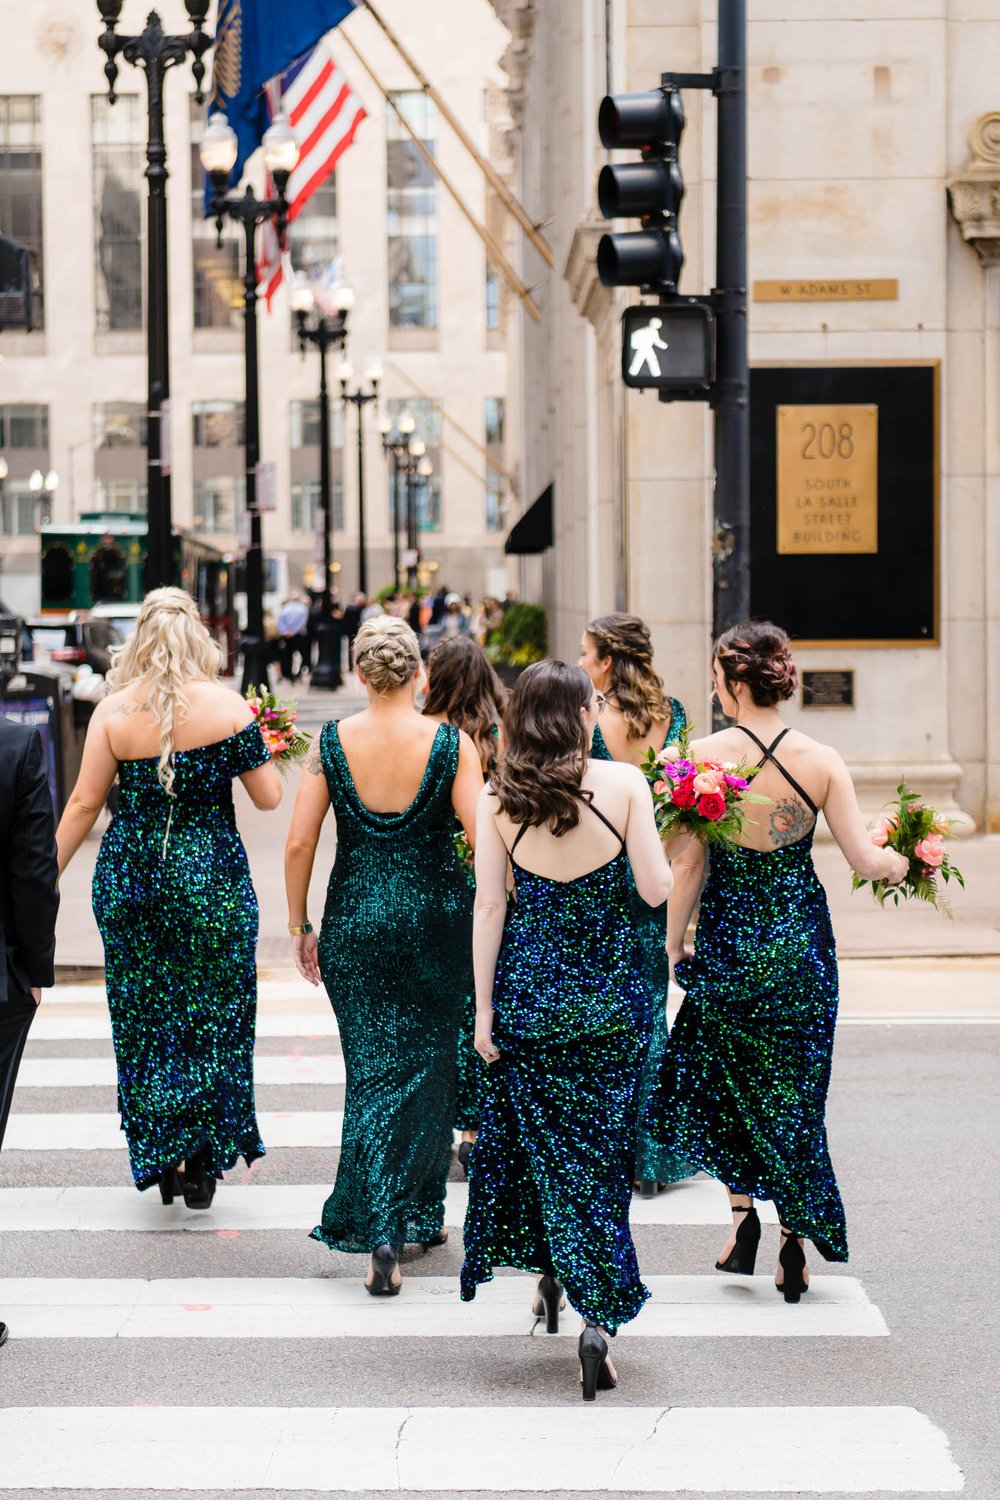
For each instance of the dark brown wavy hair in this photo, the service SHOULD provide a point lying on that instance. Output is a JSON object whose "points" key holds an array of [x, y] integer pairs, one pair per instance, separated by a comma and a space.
{"points": [[546, 747], [637, 690], [463, 687], [757, 655]]}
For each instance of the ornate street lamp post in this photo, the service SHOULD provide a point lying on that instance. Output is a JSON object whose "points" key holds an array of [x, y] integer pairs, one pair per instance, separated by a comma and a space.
{"points": [[155, 52], [218, 156], [325, 332], [360, 399], [395, 446]]}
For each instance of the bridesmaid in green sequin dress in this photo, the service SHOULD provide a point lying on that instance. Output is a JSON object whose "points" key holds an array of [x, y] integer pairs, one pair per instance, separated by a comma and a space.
{"points": [[464, 690], [395, 950], [743, 1083], [617, 655], [173, 898]]}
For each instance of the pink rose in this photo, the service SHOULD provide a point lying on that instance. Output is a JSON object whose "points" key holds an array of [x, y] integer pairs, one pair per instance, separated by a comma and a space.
{"points": [[684, 793], [706, 782], [931, 851], [884, 828], [659, 787], [712, 806]]}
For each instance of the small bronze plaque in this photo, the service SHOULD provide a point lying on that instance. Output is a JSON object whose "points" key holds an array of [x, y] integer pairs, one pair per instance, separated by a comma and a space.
{"points": [[828, 688], [851, 289], [827, 479]]}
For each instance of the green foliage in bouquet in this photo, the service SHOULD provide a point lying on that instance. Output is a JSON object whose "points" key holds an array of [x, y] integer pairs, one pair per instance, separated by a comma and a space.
{"points": [[707, 797], [916, 831]]}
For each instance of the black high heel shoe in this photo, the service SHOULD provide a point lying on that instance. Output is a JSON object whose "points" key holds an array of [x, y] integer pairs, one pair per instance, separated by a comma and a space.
{"points": [[464, 1152], [792, 1260], [646, 1188], [199, 1182], [593, 1351], [171, 1185], [548, 1296], [743, 1256], [385, 1262]]}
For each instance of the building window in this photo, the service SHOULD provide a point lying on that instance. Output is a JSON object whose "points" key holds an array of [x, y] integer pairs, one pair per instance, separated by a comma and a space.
{"points": [[218, 280], [118, 217], [18, 508], [306, 502], [217, 503], [412, 214], [496, 486], [120, 456], [426, 492], [492, 297], [24, 443], [219, 434], [21, 176], [218, 424], [25, 426], [303, 427], [314, 239]]}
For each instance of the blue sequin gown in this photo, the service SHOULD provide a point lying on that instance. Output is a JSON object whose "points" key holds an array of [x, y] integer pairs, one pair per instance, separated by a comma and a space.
{"points": [[178, 916], [743, 1082], [395, 952], [550, 1181], [653, 1162]]}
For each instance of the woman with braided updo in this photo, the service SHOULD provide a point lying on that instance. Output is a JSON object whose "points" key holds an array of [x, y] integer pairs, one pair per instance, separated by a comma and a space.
{"points": [[395, 949], [742, 1088], [617, 655]]}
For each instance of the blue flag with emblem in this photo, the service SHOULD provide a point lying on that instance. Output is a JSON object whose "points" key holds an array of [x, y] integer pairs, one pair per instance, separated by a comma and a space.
{"points": [[255, 40]]}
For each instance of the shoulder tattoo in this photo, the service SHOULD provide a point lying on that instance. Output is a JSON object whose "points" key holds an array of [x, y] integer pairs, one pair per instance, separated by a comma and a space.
{"points": [[132, 708]]}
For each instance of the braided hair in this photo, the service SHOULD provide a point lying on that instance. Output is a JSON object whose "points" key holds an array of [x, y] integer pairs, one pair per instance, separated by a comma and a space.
{"points": [[636, 688]]}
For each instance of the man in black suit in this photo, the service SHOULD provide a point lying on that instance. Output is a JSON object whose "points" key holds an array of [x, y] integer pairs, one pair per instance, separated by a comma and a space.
{"points": [[29, 899]]}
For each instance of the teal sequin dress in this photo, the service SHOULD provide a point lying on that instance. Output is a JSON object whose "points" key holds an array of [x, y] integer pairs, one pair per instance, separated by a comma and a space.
{"points": [[470, 1064], [550, 1180], [653, 1163], [743, 1082], [178, 916], [395, 952]]}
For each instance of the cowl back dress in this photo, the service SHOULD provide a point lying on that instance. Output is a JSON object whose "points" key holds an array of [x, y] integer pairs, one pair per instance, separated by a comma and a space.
{"points": [[395, 953], [177, 912], [550, 1180], [743, 1082]]}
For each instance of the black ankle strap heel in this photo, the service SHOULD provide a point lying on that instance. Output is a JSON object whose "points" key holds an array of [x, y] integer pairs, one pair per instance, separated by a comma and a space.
{"points": [[385, 1260], [743, 1256], [546, 1303], [593, 1351], [792, 1260]]}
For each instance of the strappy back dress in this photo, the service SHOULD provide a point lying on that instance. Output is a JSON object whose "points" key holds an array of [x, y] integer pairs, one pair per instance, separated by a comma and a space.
{"points": [[551, 1176], [743, 1083]]}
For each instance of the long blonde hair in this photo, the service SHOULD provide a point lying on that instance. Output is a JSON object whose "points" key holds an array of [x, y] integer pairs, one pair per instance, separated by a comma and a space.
{"points": [[169, 648]]}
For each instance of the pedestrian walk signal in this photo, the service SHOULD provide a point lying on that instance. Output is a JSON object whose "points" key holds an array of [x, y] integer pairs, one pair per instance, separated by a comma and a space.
{"points": [[669, 347], [651, 189]]}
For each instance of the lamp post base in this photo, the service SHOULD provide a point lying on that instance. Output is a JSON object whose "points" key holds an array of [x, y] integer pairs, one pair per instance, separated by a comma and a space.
{"points": [[326, 673], [254, 663]]}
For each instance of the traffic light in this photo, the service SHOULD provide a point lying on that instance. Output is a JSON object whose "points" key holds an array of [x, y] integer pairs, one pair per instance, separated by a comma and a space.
{"points": [[651, 189]]}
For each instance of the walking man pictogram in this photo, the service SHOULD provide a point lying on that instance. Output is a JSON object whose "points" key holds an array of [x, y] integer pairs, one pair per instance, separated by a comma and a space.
{"points": [[644, 343]]}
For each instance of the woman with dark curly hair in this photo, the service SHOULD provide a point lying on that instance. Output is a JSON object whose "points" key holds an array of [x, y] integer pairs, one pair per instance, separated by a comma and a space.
{"points": [[464, 690], [563, 1012], [617, 655], [742, 1088]]}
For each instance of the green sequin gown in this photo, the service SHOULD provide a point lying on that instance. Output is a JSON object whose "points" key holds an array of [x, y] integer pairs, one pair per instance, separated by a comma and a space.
{"points": [[471, 1068], [395, 952], [178, 917], [654, 1163]]}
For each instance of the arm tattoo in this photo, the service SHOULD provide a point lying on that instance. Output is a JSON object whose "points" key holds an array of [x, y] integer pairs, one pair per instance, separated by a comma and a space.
{"points": [[790, 821], [314, 762]]}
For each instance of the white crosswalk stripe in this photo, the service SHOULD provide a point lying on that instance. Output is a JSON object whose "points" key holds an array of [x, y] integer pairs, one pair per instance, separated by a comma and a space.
{"points": [[93, 1132], [741, 1450], [279, 1307], [100, 1072], [80, 1024]]}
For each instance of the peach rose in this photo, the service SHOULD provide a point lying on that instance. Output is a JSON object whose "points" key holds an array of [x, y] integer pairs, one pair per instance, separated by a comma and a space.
{"points": [[669, 752], [706, 783], [931, 851]]}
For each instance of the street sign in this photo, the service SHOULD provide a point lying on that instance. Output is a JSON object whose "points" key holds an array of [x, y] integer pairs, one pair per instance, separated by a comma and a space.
{"points": [[267, 486], [668, 346]]}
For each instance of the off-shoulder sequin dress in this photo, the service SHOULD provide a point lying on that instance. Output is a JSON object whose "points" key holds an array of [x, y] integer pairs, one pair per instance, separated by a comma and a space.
{"points": [[653, 1162], [178, 915], [743, 1082], [550, 1180], [395, 952]]}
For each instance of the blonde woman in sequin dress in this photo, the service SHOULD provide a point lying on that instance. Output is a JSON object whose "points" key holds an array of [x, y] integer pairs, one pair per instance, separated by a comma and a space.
{"points": [[174, 899]]}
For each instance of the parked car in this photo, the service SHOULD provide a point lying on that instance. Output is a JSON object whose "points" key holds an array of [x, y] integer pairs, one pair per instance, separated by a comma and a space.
{"points": [[72, 642], [122, 617]]}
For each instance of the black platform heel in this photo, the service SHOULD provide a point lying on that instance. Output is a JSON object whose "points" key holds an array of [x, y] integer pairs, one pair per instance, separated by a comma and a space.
{"points": [[464, 1152], [385, 1262], [646, 1188], [199, 1182], [792, 1260], [546, 1304], [593, 1351], [171, 1185], [743, 1256]]}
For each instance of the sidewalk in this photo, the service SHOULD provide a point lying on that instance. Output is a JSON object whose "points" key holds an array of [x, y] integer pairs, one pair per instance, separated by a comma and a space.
{"points": [[863, 930]]}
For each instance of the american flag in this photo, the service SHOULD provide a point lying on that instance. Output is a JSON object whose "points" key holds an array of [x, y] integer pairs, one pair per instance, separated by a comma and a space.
{"points": [[324, 116]]}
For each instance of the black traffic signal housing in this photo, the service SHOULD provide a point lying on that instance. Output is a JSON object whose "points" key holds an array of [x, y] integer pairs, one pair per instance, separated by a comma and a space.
{"points": [[652, 189]]}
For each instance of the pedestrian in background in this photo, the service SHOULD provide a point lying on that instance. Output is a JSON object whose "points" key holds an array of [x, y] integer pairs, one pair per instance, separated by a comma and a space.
{"points": [[173, 897], [395, 950], [29, 899], [563, 1012], [293, 628], [464, 690]]}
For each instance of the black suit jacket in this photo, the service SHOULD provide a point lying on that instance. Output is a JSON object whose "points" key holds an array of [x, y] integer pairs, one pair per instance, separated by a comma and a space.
{"points": [[29, 899]]}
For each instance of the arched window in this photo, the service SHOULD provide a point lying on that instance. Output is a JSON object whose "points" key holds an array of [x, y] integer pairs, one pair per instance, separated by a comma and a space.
{"points": [[57, 576], [108, 575]]}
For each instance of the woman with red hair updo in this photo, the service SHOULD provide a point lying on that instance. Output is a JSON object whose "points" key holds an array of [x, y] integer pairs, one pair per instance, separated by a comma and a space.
{"points": [[743, 1082]]}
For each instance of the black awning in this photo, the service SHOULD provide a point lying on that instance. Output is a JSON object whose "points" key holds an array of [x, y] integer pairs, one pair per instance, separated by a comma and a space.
{"points": [[533, 532]]}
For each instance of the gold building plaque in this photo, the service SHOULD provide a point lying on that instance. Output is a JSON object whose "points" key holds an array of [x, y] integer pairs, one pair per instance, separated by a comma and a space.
{"points": [[827, 479], [848, 289]]}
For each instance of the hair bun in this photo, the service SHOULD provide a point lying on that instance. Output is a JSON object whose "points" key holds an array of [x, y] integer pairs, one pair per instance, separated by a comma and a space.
{"points": [[758, 655], [388, 653]]}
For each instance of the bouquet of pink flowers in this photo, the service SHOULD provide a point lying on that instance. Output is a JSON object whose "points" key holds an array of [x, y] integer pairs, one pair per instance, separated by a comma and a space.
{"points": [[277, 725], [705, 797], [917, 831]]}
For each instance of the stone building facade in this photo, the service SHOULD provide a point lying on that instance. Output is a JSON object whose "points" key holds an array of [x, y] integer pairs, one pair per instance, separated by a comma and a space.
{"points": [[874, 152]]}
